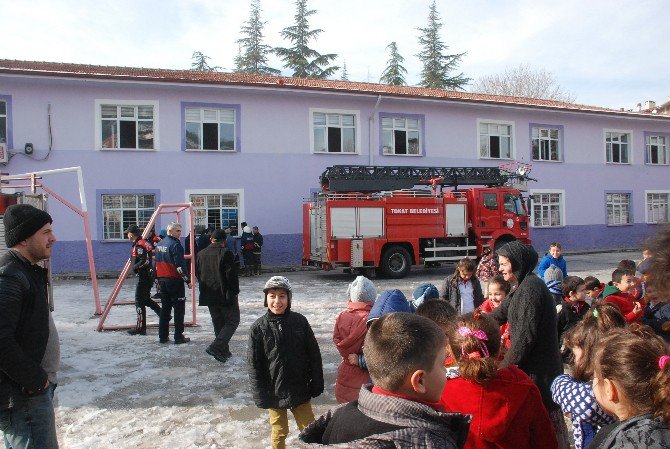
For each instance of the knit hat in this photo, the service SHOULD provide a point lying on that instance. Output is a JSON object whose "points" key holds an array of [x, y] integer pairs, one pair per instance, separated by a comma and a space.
{"points": [[553, 273], [277, 282], [361, 290], [22, 221]]}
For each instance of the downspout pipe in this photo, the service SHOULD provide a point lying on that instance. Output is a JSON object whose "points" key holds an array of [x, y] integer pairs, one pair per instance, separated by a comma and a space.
{"points": [[371, 120]]}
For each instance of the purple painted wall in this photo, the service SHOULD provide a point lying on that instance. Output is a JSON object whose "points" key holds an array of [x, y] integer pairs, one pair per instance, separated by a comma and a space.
{"points": [[275, 168]]}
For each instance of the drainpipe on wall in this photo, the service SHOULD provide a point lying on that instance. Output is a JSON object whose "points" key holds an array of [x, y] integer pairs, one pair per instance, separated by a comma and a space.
{"points": [[371, 120]]}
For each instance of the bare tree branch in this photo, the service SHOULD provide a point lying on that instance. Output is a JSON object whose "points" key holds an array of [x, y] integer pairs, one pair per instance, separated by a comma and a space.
{"points": [[524, 81]]}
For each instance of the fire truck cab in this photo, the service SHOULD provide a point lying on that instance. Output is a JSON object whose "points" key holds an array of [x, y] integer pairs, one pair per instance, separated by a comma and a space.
{"points": [[391, 229]]}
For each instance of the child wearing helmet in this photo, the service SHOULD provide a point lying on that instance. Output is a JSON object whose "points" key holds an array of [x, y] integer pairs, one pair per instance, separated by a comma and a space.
{"points": [[284, 361]]}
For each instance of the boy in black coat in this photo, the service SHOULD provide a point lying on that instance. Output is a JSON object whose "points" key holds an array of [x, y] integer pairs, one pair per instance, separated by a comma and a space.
{"points": [[284, 362]]}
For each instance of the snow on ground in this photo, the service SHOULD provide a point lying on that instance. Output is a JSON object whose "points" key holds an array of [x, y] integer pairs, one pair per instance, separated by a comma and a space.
{"points": [[122, 391]]}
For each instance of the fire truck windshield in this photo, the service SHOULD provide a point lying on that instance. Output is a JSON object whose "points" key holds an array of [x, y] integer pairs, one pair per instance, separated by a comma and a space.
{"points": [[514, 204]]}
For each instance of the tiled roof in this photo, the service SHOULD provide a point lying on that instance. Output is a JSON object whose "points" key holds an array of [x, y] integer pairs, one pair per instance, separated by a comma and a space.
{"points": [[56, 69]]}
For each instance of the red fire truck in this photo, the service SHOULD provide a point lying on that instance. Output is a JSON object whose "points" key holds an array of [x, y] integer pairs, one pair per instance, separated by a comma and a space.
{"points": [[389, 218]]}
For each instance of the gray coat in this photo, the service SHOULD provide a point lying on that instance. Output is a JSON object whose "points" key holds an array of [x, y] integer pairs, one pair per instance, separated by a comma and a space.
{"points": [[450, 292], [425, 428], [643, 431]]}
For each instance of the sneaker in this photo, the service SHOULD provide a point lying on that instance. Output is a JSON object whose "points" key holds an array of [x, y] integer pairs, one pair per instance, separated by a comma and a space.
{"points": [[217, 355], [137, 332], [182, 340]]}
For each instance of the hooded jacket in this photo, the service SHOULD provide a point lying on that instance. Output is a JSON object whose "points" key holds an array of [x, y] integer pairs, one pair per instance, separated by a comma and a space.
{"points": [[388, 302], [283, 360], [348, 336], [644, 431], [421, 426], [506, 413], [531, 313]]}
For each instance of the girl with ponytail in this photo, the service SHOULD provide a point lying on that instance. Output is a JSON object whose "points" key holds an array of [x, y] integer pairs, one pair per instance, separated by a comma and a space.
{"points": [[505, 404], [632, 382]]}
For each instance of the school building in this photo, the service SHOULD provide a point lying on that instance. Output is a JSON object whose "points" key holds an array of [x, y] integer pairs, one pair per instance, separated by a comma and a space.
{"points": [[250, 148]]}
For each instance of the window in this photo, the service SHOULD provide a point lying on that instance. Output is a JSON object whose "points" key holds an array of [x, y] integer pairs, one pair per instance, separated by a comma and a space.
{"points": [[401, 135], [3, 121], [657, 206], [216, 209], [657, 150], [545, 144], [491, 201], [618, 208], [210, 128], [130, 125], [513, 204], [495, 140], [547, 208], [122, 210], [617, 149], [335, 132]]}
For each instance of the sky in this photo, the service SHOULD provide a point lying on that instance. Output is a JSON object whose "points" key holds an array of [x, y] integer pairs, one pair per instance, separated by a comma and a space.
{"points": [[611, 53]]}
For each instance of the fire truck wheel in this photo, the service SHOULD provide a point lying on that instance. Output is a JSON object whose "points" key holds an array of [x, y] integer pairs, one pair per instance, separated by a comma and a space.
{"points": [[395, 262]]}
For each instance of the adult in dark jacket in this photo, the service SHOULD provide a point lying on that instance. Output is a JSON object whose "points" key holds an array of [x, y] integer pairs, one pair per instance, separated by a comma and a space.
{"points": [[141, 260], [172, 272], [531, 313], [247, 243], [258, 248], [219, 286], [29, 347]]}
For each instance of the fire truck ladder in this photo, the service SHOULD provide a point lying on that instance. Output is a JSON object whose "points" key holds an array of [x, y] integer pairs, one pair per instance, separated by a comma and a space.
{"points": [[363, 178]]}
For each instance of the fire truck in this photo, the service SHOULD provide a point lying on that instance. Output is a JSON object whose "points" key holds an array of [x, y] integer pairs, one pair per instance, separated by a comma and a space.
{"points": [[386, 219]]}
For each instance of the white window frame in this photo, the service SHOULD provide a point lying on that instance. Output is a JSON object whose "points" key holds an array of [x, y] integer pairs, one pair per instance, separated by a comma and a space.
{"points": [[123, 208], [619, 206], [406, 129], [357, 129], [238, 192], [218, 121], [5, 116], [512, 137], [135, 103], [629, 145], [648, 144], [561, 207], [540, 139], [650, 219]]}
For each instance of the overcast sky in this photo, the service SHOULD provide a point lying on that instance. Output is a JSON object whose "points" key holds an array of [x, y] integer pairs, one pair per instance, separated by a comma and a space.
{"points": [[613, 53]]}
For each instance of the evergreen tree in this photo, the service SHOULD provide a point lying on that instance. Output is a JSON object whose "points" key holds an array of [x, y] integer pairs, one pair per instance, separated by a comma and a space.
{"points": [[200, 63], [394, 72], [253, 54], [436, 64], [345, 74], [304, 61]]}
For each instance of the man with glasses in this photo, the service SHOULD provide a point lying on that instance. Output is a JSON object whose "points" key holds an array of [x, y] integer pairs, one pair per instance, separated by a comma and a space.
{"points": [[172, 272]]}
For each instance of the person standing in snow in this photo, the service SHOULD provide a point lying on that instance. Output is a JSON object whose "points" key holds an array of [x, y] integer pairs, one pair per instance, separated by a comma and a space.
{"points": [[29, 346], [141, 263]]}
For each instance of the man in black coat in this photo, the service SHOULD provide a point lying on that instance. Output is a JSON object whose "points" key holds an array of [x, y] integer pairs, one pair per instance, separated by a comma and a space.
{"points": [[219, 285], [29, 347], [530, 311]]}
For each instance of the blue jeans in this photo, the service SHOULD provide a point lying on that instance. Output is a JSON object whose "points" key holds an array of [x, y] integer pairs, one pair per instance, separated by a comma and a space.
{"points": [[31, 423]]}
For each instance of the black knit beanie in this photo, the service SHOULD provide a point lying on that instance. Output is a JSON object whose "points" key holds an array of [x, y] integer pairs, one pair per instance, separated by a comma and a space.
{"points": [[22, 221]]}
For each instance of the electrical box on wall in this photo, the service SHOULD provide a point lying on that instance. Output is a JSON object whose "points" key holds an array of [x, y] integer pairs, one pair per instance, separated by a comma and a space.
{"points": [[4, 155]]}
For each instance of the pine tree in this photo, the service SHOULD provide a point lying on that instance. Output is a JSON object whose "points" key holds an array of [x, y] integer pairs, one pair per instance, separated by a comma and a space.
{"points": [[253, 54], [200, 63], [394, 72], [345, 73], [304, 61], [436, 64]]}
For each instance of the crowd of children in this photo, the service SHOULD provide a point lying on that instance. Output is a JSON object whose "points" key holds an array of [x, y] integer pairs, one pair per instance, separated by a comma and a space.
{"points": [[452, 368]]}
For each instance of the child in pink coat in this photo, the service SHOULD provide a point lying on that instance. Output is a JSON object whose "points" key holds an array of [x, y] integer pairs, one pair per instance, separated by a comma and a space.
{"points": [[348, 336]]}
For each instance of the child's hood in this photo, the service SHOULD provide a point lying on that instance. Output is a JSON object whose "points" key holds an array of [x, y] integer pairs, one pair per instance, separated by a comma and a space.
{"points": [[610, 289], [501, 403], [388, 302]]}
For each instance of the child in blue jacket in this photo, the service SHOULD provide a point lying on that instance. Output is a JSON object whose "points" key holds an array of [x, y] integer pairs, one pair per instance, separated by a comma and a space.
{"points": [[553, 257]]}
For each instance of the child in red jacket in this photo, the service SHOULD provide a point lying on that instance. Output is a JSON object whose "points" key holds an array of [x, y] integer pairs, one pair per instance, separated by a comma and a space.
{"points": [[348, 336], [617, 293], [498, 290], [506, 406]]}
